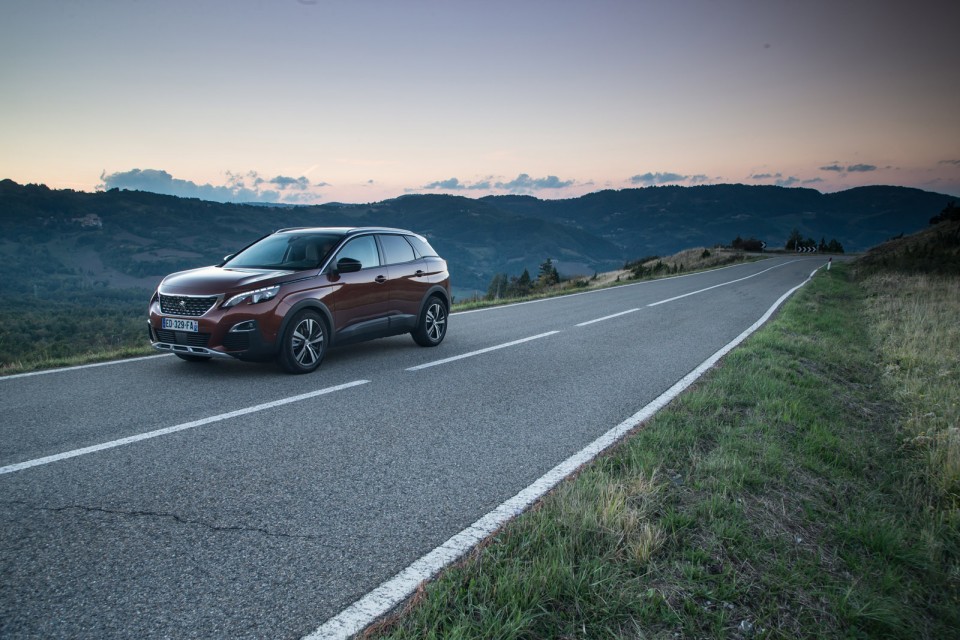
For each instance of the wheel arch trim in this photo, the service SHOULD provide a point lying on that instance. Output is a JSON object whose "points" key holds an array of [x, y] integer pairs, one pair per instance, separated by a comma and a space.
{"points": [[436, 290], [312, 305]]}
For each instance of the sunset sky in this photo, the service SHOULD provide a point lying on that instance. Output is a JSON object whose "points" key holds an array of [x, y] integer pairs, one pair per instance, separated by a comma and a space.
{"points": [[312, 101]]}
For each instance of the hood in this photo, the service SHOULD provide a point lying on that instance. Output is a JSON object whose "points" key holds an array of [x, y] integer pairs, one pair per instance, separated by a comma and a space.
{"points": [[217, 280]]}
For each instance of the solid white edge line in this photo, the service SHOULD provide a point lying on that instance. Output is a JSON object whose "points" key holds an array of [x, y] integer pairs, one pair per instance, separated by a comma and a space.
{"points": [[378, 602], [614, 315], [477, 353], [722, 284], [20, 466], [82, 366]]}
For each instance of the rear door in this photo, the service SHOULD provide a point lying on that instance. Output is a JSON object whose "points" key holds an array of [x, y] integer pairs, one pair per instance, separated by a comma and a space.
{"points": [[407, 285]]}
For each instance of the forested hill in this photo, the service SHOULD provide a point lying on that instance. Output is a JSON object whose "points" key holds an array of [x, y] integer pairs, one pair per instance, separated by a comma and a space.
{"points": [[66, 241], [672, 218]]}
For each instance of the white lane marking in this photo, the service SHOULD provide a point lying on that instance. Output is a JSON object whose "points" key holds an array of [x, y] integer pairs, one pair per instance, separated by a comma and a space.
{"points": [[20, 466], [477, 353], [603, 290], [378, 602], [82, 366], [722, 284], [614, 315]]}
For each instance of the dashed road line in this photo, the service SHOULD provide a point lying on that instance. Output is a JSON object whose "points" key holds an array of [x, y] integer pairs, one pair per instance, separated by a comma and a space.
{"points": [[20, 466], [481, 351], [611, 316], [722, 284]]}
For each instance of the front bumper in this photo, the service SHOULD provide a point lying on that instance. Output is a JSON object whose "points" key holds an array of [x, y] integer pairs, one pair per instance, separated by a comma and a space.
{"points": [[242, 345]]}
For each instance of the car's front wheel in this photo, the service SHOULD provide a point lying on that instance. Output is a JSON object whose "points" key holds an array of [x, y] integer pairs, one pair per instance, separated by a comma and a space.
{"points": [[303, 343], [432, 325]]}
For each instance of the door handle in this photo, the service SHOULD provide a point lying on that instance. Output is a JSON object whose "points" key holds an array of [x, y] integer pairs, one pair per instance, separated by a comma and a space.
{"points": [[381, 279], [419, 273]]}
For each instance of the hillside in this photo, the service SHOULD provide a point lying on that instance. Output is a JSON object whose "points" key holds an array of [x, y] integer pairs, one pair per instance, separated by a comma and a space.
{"points": [[669, 219], [934, 250], [67, 244]]}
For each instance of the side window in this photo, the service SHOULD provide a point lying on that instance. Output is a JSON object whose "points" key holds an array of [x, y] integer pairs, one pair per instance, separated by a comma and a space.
{"points": [[422, 246], [396, 249], [363, 249]]}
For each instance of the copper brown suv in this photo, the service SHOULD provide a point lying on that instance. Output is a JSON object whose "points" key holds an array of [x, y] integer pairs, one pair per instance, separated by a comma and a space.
{"points": [[296, 292]]}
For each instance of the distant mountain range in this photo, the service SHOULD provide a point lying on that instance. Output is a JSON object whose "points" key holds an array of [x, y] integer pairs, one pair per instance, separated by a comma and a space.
{"points": [[61, 240]]}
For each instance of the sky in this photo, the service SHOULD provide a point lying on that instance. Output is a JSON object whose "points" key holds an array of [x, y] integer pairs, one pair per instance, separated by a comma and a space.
{"points": [[313, 101]]}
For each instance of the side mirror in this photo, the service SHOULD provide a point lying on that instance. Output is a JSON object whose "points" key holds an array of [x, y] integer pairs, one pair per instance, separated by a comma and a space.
{"points": [[348, 265]]}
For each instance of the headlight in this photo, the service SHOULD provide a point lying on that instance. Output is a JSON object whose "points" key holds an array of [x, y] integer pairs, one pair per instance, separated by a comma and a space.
{"points": [[253, 297]]}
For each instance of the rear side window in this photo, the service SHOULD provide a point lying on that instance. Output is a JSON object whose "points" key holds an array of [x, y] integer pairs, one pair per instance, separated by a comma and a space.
{"points": [[363, 249], [422, 246], [396, 250]]}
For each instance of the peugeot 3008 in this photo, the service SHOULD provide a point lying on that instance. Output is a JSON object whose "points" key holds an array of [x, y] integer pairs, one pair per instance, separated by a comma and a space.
{"points": [[294, 293]]}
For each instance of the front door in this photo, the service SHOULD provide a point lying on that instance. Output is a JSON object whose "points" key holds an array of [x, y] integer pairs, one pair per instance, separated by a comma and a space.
{"points": [[360, 305]]}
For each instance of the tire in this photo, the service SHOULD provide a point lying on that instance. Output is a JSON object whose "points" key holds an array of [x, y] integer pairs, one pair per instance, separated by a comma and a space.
{"points": [[189, 358], [432, 325], [304, 342]]}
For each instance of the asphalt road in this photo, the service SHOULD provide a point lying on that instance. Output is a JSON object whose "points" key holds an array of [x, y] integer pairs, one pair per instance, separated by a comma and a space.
{"points": [[313, 490]]}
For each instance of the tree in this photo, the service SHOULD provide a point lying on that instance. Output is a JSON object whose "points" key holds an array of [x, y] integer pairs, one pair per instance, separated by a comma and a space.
{"points": [[548, 274], [750, 244], [522, 285], [950, 212], [834, 247], [498, 286], [795, 240]]}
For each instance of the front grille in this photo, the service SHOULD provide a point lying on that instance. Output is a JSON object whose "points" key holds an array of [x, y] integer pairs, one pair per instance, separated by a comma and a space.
{"points": [[237, 341], [187, 305], [183, 337]]}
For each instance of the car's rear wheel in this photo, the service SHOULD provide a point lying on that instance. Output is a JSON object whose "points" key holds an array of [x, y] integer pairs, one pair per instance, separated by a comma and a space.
{"points": [[303, 343], [432, 325]]}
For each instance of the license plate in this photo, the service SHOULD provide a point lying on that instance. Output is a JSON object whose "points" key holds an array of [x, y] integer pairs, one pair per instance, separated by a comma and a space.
{"points": [[177, 324]]}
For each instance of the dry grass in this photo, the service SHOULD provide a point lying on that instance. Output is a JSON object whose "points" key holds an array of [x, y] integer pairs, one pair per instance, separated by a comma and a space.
{"points": [[686, 261], [914, 318], [772, 500], [700, 258]]}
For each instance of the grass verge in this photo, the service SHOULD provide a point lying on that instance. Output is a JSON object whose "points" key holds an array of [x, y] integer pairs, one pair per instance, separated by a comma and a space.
{"points": [[40, 362], [775, 499]]}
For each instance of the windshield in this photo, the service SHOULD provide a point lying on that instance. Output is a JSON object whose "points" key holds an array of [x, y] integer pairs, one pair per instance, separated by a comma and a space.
{"points": [[286, 251]]}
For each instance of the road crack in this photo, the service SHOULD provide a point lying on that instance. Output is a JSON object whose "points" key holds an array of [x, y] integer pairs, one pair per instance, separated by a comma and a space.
{"points": [[137, 513]]}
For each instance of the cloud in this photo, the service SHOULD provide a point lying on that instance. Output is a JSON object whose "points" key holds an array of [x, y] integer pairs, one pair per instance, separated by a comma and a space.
{"points": [[954, 162], [248, 187], [523, 183], [454, 184], [777, 178], [649, 179], [813, 181], [853, 168], [283, 182]]}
